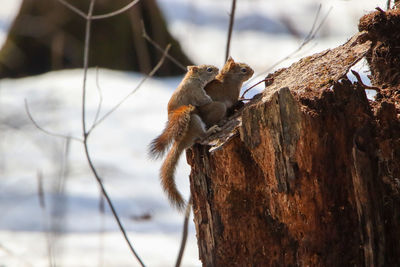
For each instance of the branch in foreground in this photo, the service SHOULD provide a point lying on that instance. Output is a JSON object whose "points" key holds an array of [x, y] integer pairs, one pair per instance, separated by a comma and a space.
{"points": [[85, 67], [154, 70], [159, 48], [28, 112], [73, 8], [310, 36], [355, 73], [184, 233], [96, 117], [86, 134], [231, 21], [254, 85], [117, 12], [103, 16]]}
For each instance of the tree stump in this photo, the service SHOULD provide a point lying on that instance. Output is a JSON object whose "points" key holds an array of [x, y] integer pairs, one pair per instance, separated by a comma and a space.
{"points": [[46, 36], [308, 172]]}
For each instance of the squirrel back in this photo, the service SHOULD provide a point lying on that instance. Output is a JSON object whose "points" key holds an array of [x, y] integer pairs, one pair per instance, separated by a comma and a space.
{"points": [[191, 90]]}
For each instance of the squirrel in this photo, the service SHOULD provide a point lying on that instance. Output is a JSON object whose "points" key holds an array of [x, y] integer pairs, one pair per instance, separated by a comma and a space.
{"points": [[184, 126], [224, 91]]}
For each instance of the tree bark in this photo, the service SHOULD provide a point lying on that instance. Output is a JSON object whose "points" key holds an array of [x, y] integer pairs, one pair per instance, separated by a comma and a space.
{"points": [[308, 172], [46, 36]]}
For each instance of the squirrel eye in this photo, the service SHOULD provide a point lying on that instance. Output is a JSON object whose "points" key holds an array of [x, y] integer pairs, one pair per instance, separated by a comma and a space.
{"points": [[244, 70], [209, 69]]}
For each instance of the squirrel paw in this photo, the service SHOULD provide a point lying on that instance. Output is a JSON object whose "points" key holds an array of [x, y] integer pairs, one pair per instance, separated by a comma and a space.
{"points": [[213, 129]]}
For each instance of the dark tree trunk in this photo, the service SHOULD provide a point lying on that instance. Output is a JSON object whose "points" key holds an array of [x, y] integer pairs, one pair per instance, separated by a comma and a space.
{"points": [[308, 172], [48, 36]]}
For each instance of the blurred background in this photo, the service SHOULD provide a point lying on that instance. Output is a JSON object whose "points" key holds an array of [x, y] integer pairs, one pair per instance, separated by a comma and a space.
{"points": [[51, 210]]}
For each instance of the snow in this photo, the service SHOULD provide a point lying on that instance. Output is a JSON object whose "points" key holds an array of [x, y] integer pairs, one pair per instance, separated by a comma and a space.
{"points": [[71, 219]]}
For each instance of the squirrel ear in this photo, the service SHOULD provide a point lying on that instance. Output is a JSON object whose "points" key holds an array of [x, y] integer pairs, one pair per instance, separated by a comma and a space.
{"points": [[192, 68], [230, 63]]}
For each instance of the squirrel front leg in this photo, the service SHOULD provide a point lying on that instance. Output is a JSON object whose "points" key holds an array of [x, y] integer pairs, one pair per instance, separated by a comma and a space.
{"points": [[203, 99]]}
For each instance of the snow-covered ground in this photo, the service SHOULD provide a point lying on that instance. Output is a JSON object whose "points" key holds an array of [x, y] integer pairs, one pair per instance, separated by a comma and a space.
{"points": [[84, 235]]}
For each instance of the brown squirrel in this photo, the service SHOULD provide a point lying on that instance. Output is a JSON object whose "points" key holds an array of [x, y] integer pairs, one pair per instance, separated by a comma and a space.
{"points": [[184, 126], [224, 91]]}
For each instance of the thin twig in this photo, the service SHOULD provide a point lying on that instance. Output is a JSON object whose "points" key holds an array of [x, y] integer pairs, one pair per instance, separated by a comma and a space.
{"points": [[47, 131], [355, 73], [184, 232], [110, 204], [159, 48], [231, 21], [103, 16], [380, 10], [117, 12], [85, 66], [6, 251], [310, 36], [251, 87], [96, 117], [86, 134], [153, 71], [74, 9], [388, 4], [45, 217], [311, 32]]}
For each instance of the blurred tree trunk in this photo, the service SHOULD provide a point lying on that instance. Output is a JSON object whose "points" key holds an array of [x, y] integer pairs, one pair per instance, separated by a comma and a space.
{"points": [[308, 172], [48, 36]]}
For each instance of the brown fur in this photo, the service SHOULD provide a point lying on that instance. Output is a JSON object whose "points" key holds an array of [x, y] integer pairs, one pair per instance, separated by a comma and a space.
{"points": [[224, 90], [176, 126], [191, 90], [195, 131], [184, 127]]}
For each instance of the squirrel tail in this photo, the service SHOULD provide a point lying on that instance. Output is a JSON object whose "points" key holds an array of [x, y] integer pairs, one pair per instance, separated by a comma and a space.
{"points": [[177, 126], [167, 175], [160, 144]]}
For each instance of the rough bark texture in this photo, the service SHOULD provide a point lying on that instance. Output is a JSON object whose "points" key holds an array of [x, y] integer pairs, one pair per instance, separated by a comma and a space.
{"points": [[46, 36], [308, 172]]}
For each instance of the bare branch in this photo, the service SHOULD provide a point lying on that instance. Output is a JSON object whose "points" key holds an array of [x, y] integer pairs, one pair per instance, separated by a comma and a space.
{"points": [[184, 232], [74, 9], [85, 66], [154, 70], [110, 204], [388, 4], [355, 73], [311, 33], [86, 134], [96, 117], [96, 17], [43, 129], [117, 12], [310, 36], [251, 87], [231, 21], [159, 48]]}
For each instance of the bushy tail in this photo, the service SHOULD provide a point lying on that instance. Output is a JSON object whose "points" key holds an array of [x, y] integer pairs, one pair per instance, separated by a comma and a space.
{"points": [[167, 174], [160, 144], [177, 125]]}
